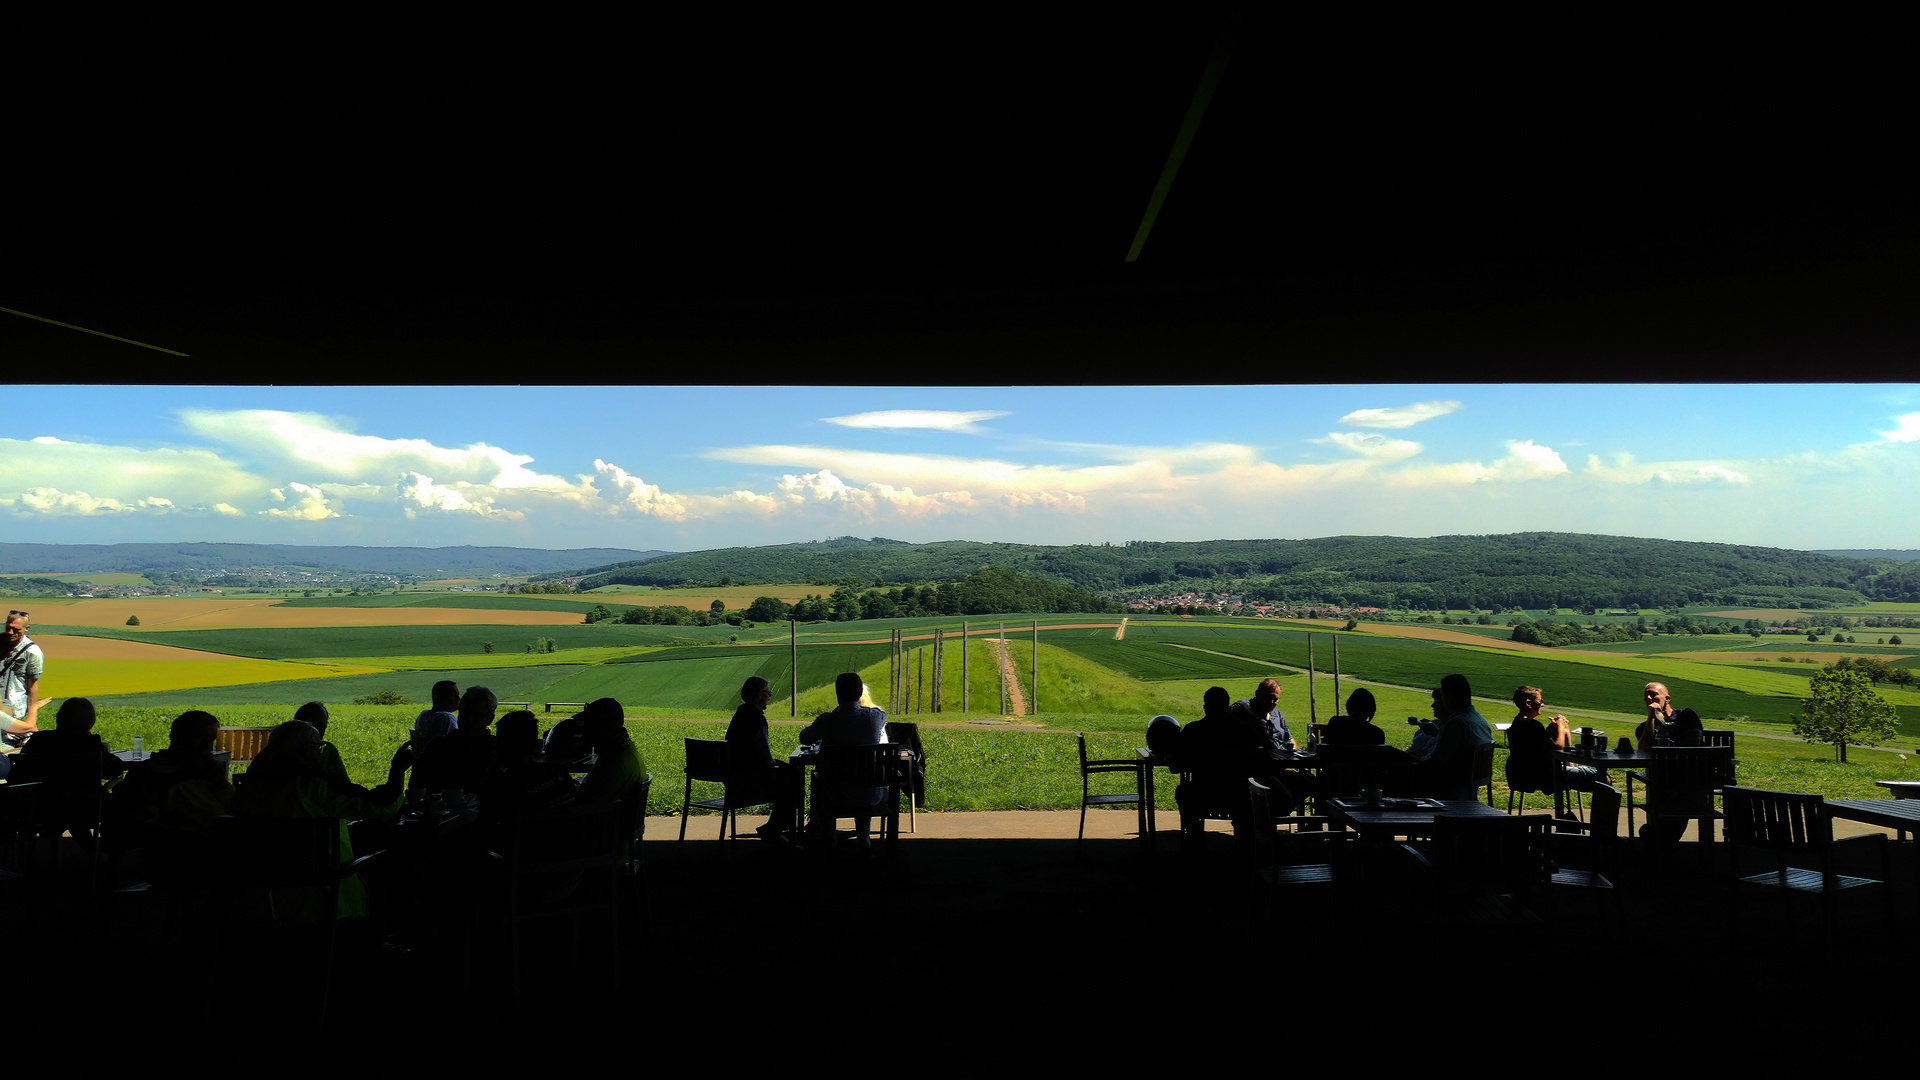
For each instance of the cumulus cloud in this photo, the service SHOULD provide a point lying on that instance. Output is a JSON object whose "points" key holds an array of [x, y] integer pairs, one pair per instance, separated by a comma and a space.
{"points": [[928, 419], [56, 503], [1907, 429], [1625, 470], [124, 474], [640, 495], [824, 487], [225, 510], [1378, 447], [1400, 416], [417, 493], [310, 504]]}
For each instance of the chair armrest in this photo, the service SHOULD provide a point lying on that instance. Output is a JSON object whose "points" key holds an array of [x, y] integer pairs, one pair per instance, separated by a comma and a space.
{"points": [[1414, 856], [354, 867], [1113, 765], [1879, 837], [1637, 776]]}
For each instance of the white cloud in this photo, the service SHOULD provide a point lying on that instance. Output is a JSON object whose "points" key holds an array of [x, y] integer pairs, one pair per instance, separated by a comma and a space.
{"points": [[226, 510], [312, 504], [1400, 416], [1908, 429], [1378, 447], [416, 493], [124, 474], [930, 419], [640, 495], [824, 487], [1625, 470], [943, 473], [57, 503], [1527, 460], [48, 440]]}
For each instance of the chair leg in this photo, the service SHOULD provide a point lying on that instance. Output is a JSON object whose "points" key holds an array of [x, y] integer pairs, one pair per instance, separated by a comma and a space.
{"points": [[1082, 840]]}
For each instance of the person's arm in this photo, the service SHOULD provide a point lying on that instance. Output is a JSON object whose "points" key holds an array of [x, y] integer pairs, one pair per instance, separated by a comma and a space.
{"points": [[34, 701]]}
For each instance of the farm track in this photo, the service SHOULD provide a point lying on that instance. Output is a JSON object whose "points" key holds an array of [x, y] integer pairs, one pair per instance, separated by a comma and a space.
{"points": [[1016, 701]]}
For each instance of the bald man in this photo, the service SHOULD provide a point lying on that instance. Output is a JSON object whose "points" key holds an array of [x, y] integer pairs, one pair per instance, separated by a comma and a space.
{"points": [[1677, 728]]}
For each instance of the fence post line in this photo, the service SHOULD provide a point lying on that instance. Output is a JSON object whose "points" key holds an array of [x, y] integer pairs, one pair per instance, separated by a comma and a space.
{"points": [[793, 640], [1033, 701], [966, 690], [1336, 673], [1313, 716]]}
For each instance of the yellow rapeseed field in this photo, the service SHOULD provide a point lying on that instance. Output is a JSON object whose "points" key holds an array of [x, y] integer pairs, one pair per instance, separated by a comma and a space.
{"points": [[68, 676], [221, 613]]}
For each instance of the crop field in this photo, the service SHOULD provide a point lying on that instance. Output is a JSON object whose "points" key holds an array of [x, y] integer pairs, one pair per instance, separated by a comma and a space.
{"points": [[490, 661], [97, 579], [511, 684], [735, 597], [166, 615], [450, 601], [453, 640], [111, 678], [711, 683]]}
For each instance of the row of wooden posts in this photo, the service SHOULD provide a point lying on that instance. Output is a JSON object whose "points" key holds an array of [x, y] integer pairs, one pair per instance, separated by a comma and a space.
{"points": [[908, 688]]}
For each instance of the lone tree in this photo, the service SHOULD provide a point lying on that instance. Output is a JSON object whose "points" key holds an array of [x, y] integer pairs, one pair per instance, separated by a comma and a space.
{"points": [[133, 620], [1844, 709]]}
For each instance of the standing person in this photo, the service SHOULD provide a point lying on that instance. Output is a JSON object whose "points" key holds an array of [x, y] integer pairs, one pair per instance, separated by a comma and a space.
{"points": [[1680, 728], [21, 663], [754, 775]]}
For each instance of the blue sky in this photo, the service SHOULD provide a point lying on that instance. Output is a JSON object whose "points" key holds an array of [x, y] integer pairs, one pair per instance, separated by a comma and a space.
{"points": [[682, 468]]}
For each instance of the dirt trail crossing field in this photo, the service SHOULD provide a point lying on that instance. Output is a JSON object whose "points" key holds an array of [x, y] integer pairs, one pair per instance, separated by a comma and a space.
{"points": [[1016, 700]]}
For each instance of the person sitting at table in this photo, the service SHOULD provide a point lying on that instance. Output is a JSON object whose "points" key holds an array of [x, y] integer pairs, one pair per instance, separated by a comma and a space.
{"points": [[1356, 726], [69, 812], [520, 782], [287, 780], [1262, 713], [754, 775], [166, 804], [463, 760], [1445, 772], [1218, 753], [315, 713], [1530, 746], [851, 724], [1680, 728], [441, 718]]}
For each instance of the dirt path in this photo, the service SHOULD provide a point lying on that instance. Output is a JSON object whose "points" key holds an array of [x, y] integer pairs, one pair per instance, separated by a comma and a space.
{"points": [[1017, 701], [1121, 633]]}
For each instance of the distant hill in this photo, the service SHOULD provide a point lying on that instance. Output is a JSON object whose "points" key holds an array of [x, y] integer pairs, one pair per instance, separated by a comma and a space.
{"points": [[1894, 554], [465, 561], [1519, 570]]}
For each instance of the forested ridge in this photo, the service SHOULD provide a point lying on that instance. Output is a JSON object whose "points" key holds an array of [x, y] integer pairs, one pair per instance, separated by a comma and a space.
{"points": [[1517, 570]]}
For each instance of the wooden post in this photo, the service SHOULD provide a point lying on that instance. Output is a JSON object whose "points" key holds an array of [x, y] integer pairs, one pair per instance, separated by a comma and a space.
{"points": [[965, 689], [1000, 665], [920, 680], [793, 639], [1336, 673], [1312, 715], [1033, 700], [935, 687]]}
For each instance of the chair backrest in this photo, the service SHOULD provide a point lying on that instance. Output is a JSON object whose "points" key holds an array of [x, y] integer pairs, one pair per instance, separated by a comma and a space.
{"points": [[1260, 796], [242, 743], [1480, 771], [1080, 737], [1474, 846], [707, 760], [65, 775], [567, 838], [1711, 737], [1603, 814], [905, 733], [863, 766], [1780, 821], [633, 809], [19, 816], [1683, 778]]}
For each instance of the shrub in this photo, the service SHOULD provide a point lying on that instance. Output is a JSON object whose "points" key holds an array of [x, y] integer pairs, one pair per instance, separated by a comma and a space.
{"points": [[133, 620], [383, 697]]}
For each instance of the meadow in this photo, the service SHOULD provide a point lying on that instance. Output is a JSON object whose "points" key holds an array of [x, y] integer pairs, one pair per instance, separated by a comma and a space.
{"points": [[979, 759]]}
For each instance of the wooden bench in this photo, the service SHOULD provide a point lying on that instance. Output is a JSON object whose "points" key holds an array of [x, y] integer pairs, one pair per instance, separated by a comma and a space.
{"points": [[242, 744], [574, 705]]}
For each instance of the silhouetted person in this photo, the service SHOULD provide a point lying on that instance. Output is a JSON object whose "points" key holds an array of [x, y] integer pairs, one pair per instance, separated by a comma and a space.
{"points": [[1356, 726], [567, 740], [1530, 745], [440, 719], [754, 775], [67, 809], [286, 780], [1446, 771], [520, 782], [619, 769], [315, 713], [1262, 713], [851, 724], [166, 803], [1680, 728], [463, 760], [1220, 752]]}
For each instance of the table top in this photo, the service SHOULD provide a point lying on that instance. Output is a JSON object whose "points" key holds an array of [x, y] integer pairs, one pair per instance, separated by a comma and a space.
{"points": [[1401, 820], [1894, 813], [1902, 789], [131, 756], [1637, 759], [1296, 759]]}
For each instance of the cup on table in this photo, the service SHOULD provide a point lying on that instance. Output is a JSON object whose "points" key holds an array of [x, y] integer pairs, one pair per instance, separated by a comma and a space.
{"points": [[1372, 797]]}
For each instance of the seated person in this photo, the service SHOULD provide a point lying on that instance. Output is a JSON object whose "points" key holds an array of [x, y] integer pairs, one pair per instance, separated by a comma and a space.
{"points": [[1218, 753], [70, 812], [443, 718], [1445, 772], [1530, 747], [1356, 727], [617, 773], [754, 775], [286, 780], [463, 760], [851, 724], [1680, 728], [313, 712], [1429, 733], [519, 782], [1262, 713], [182, 788]]}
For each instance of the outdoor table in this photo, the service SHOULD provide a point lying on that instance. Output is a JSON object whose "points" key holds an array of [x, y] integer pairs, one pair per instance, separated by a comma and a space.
{"points": [[1147, 762], [807, 757], [134, 757], [1387, 823], [1902, 789], [1900, 815], [1600, 763], [581, 763]]}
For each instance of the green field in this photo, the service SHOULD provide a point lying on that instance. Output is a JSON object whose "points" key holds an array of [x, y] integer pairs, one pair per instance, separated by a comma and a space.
{"points": [[483, 601], [371, 641]]}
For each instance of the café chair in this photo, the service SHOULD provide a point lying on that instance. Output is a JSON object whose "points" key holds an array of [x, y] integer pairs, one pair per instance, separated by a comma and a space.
{"points": [[71, 799], [905, 733], [1088, 769], [1487, 868], [1594, 842], [563, 863], [842, 785], [1716, 737], [1795, 830], [633, 829], [707, 761], [1679, 786], [1280, 843], [1481, 774], [19, 824]]}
